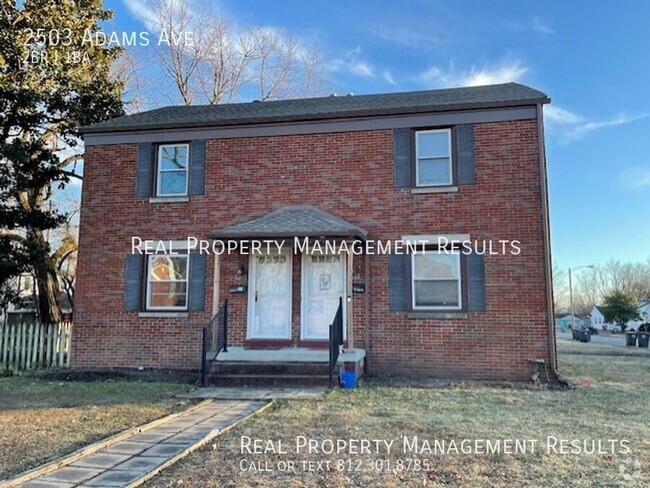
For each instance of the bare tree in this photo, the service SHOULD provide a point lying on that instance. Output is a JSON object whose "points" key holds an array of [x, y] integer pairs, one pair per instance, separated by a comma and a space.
{"points": [[181, 60], [590, 287], [224, 64], [629, 278], [560, 290], [136, 94]]}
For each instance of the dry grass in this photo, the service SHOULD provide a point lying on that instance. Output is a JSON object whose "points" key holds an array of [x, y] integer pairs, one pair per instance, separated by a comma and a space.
{"points": [[43, 420], [611, 404]]}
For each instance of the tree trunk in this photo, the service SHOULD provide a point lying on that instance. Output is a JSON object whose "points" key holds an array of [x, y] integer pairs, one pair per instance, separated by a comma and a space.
{"points": [[49, 301], [49, 296]]}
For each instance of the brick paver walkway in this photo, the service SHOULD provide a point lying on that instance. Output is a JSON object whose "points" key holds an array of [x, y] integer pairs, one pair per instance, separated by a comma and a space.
{"points": [[133, 458]]}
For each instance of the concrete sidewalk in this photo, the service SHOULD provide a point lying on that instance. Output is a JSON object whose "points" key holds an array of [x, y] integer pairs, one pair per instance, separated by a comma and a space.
{"points": [[139, 456], [257, 393]]}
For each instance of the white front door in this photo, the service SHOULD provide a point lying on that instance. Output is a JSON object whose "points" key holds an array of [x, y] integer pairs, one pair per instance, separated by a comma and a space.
{"points": [[269, 297], [323, 284]]}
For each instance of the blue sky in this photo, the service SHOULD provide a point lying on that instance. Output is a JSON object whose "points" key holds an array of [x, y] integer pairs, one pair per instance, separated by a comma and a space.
{"points": [[590, 58]]}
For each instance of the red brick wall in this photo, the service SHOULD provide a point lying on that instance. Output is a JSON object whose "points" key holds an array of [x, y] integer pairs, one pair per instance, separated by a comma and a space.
{"points": [[347, 174]]}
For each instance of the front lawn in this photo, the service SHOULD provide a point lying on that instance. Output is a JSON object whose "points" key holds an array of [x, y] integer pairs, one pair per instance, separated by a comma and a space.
{"points": [[42, 420], [609, 403]]}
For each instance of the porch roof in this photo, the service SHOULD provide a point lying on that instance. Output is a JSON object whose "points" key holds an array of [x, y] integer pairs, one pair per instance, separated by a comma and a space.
{"points": [[292, 221]]}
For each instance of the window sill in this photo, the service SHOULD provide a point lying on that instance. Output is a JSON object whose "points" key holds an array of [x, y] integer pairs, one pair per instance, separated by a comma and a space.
{"points": [[434, 189], [164, 315], [169, 199], [437, 315]]}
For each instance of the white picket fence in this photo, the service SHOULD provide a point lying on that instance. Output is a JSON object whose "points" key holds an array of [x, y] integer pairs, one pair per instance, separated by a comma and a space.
{"points": [[34, 346]]}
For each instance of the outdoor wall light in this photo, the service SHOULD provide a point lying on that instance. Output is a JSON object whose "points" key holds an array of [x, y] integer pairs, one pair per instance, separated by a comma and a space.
{"points": [[241, 270]]}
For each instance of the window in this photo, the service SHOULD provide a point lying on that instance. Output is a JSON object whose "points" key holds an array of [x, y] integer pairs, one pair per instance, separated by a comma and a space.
{"points": [[171, 176], [433, 158], [167, 282], [435, 280]]}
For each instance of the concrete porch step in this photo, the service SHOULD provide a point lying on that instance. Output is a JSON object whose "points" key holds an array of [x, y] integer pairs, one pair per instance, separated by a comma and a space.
{"points": [[266, 368], [268, 380]]}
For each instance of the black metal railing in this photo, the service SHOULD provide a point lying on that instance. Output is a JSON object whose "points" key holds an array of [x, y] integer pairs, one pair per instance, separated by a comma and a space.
{"points": [[221, 324], [336, 340], [214, 338]]}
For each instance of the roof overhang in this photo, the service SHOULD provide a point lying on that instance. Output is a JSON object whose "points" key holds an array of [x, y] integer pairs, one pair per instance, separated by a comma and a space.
{"points": [[294, 221], [309, 118]]}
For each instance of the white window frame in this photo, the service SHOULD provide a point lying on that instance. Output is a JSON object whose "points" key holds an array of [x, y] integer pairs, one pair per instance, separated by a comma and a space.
{"points": [[159, 170], [150, 259], [460, 283], [417, 158]]}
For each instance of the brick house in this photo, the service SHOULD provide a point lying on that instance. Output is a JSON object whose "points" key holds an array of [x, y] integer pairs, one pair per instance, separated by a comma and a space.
{"points": [[460, 171]]}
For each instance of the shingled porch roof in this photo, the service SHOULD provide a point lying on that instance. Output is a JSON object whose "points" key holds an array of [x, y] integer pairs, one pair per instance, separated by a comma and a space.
{"points": [[292, 221]]}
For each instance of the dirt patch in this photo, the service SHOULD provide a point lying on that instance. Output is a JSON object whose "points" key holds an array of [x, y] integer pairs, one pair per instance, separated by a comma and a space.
{"points": [[147, 375]]}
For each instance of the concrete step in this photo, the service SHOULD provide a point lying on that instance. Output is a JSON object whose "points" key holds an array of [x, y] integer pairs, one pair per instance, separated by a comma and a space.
{"points": [[268, 380], [266, 368]]}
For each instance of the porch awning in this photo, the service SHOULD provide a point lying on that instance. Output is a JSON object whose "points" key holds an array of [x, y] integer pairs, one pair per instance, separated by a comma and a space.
{"points": [[292, 221]]}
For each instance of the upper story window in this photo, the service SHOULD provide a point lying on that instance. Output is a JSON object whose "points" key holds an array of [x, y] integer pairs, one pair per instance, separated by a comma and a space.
{"points": [[171, 171], [433, 158], [436, 280], [167, 282]]}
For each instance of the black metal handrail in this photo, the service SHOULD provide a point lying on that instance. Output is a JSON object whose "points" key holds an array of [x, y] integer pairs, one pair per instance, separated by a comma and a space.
{"points": [[336, 340], [217, 329]]}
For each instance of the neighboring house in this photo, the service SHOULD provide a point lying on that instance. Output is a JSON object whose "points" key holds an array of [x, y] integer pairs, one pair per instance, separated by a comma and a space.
{"points": [[597, 317], [24, 311], [465, 164], [566, 322], [644, 311], [644, 316]]}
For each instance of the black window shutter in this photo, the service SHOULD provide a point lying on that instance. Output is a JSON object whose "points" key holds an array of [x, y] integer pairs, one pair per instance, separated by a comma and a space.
{"points": [[476, 282], [196, 299], [144, 172], [133, 282], [403, 155], [465, 154], [197, 168], [398, 282]]}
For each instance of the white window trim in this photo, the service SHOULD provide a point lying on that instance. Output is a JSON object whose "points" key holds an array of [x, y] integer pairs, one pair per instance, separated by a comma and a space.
{"points": [[437, 307], [417, 158], [150, 307], [160, 170]]}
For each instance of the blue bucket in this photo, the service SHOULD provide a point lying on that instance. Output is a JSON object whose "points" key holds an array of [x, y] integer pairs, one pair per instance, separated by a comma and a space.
{"points": [[349, 379]]}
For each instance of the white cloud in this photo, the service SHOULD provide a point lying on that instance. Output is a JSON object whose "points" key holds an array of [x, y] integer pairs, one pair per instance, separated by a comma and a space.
{"points": [[362, 68], [573, 126], [502, 72], [143, 10], [557, 115], [537, 24], [405, 37], [542, 27], [635, 177], [388, 77], [353, 63]]}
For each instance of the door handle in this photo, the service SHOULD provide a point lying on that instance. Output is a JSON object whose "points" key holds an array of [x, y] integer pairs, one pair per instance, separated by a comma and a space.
{"points": [[255, 295]]}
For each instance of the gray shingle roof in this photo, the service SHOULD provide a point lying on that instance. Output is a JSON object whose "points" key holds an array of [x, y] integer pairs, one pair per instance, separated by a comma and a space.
{"points": [[292, 221], [503, 95]]}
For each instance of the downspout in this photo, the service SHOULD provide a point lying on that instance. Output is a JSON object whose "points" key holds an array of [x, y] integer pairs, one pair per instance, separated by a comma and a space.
{"points": [[548, 275], [367, 324]]}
